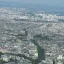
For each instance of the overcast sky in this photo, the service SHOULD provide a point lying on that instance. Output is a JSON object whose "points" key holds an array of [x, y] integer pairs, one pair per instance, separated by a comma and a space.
{"points": [[40, 2], [46, 2]]}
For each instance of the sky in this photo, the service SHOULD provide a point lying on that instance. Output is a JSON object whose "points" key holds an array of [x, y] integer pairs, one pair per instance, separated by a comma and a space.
{"points": [[50, 4], [45, 2]]}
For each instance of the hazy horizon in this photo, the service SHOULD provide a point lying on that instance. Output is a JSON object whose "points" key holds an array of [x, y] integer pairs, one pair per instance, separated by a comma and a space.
{"points": [[45, 2], [53, 5]]}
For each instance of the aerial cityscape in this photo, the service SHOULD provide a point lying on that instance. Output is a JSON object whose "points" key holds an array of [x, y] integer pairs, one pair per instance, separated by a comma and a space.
{"points": [[31, 32], [31, 38]]}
